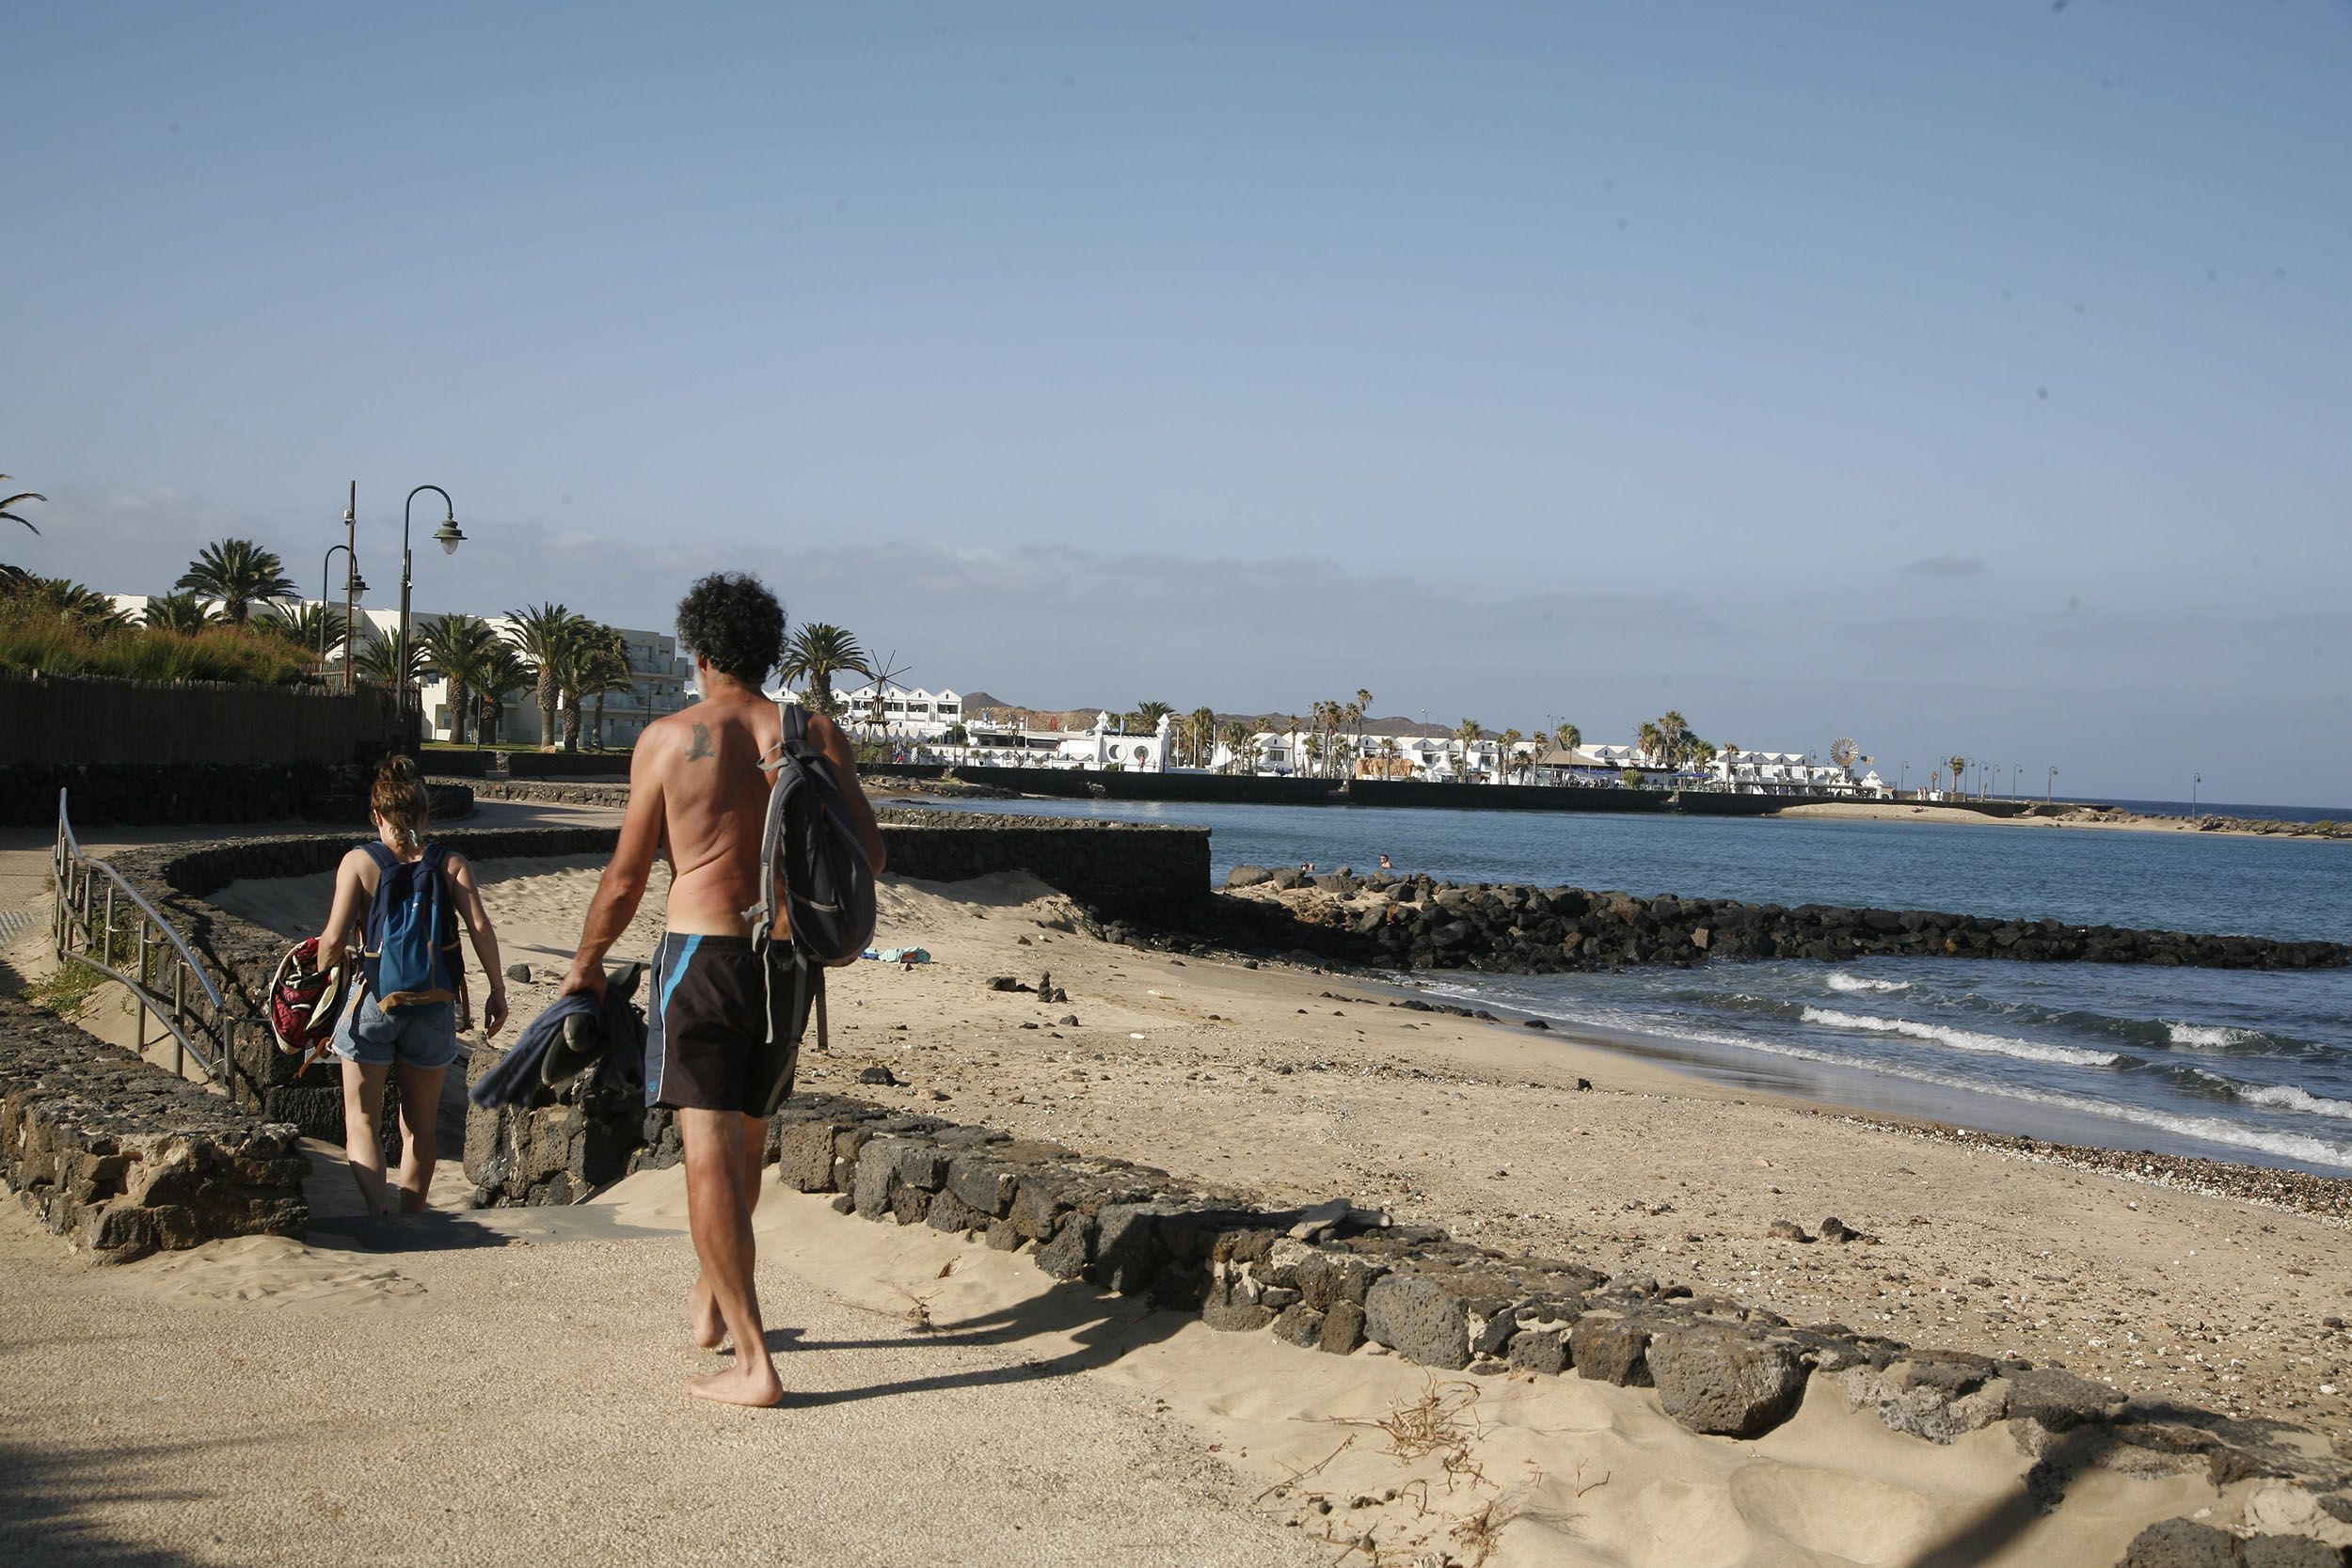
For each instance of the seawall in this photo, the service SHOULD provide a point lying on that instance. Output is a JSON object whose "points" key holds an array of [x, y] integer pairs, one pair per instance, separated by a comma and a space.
{"points": [[1416, 924], [1122, 870]]}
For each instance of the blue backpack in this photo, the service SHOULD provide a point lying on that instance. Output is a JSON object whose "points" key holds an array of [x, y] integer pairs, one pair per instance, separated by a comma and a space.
{"points": [[409, 953]]}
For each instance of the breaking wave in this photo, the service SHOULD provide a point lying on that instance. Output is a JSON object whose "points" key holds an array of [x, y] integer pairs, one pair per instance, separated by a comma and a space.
{"points": [[1962, 1039], [1840, 981]]}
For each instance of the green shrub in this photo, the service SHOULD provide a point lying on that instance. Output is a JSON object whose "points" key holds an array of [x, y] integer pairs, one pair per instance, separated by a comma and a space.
{"points": [[34, 636]]}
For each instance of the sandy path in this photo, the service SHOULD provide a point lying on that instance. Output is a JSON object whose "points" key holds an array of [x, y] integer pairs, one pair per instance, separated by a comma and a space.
{"points": [[1255, 1078], [181, 1409], [515, 1400], [521, 1371]]}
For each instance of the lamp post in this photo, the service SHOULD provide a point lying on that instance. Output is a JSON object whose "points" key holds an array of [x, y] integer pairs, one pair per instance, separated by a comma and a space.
{"points": [[2049, 787], [2016, 777], [1906, 781], [2194, 780], [448, 537], [351, 588], [354, 585]]}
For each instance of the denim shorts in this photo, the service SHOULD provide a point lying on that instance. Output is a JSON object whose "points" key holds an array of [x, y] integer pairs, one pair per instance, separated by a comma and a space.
{"points": [[426, 1037]]}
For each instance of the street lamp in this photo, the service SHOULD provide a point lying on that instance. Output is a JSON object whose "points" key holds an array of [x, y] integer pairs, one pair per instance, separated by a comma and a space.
{"points": [[354, 585], [2049, 787], [2194, 780], [2016, 777], [351, 588], [1906, 779], [448, 537]]}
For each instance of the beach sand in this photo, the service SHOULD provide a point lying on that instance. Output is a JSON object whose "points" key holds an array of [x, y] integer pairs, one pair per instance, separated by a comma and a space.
{"points": [[2115, 821], [203, 1412]]}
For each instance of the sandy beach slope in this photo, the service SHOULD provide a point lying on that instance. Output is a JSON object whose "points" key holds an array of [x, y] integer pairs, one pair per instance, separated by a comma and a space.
{"points": [[502, 1389], [1307, 1087], [949, 1405]]}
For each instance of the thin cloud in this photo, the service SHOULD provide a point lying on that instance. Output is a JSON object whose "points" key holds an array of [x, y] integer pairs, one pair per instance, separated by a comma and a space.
{"points": [[1950, 568]]}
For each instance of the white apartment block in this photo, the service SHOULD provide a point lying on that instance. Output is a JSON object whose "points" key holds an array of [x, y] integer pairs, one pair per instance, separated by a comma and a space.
{"points": [[889, 711]]}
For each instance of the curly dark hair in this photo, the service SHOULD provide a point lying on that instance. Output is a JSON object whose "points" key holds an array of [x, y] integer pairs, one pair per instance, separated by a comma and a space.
{"points": [[732, 621]]}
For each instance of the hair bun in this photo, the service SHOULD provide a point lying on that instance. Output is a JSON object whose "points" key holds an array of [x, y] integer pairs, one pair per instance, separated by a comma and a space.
{"points": [[398, 770]]}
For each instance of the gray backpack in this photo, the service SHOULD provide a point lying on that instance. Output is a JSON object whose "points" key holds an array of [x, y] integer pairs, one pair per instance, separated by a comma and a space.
{"points": [[811, 847]]}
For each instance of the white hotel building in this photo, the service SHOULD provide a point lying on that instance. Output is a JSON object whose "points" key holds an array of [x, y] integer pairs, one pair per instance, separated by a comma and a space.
{"points": [[659, 680]]}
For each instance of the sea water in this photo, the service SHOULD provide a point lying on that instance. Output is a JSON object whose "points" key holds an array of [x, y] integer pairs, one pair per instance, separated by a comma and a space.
{"points": [[2235, 1065]]}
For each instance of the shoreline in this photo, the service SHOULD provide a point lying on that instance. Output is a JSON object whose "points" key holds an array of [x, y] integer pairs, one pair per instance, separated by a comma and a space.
{"points": [[2106, 819], [2077, 815]]}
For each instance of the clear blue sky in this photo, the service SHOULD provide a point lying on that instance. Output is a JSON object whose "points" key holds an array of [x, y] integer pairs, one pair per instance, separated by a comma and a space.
{"points": [[1961, 377]]}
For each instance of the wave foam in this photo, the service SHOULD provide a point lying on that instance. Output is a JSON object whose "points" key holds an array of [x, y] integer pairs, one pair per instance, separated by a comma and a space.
{"points": [[2283, 1097], [1962, 1039], [1841, 981], [2210, 1037]]}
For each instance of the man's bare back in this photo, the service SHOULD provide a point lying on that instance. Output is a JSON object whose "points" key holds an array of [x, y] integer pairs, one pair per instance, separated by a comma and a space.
{"points": [[705, 766], [697, 792]]}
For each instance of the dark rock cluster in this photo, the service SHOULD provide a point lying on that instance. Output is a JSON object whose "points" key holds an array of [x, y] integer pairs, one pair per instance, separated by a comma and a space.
{"points": [[1413, 923], [125, 1157]]}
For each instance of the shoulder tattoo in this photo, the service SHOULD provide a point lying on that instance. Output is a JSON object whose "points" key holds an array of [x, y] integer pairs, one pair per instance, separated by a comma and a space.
{"points": [[701, 748]]}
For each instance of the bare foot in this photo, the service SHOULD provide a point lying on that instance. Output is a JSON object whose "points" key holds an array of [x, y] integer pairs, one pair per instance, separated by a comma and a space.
{"points": [[752, 1386], [702, 1316]]}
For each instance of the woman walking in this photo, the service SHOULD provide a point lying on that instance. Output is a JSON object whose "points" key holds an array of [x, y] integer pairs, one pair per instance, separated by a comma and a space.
{"points": [[409, 897]]}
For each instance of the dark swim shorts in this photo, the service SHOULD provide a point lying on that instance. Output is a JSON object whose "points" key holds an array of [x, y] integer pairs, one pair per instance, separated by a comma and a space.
{"points": [[706, 1034]]}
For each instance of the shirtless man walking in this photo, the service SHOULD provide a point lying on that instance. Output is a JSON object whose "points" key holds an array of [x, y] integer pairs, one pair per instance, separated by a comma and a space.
{"points": [[696, 791]]}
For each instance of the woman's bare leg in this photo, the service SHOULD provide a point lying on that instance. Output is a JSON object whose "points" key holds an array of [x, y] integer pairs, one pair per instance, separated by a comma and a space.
{"points": [[420, 1120], [363, 1131]]}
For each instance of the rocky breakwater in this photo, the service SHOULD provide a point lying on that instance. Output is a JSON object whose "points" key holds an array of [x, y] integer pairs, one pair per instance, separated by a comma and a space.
{"points": [[123, 1157], [1414, 922]]}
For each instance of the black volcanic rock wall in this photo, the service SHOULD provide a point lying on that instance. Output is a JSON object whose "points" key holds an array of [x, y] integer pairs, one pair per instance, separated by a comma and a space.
{"points": [[1413, 923], [125, 1157]]}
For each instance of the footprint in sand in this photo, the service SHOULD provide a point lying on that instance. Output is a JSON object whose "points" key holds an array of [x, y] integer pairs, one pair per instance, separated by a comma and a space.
{"points": [[274, 1273]]}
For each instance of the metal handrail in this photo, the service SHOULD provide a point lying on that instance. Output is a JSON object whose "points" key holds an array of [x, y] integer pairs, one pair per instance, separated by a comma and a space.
{"points": [[215, 1025]]}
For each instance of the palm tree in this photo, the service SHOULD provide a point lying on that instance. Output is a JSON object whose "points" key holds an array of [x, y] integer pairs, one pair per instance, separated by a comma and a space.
{"points": [[604, 667], [818, 651], [499, 676], [181, 612], [1203, 723], [380, 662], [7, 505], [1236, 737], [1957, 765], [1567, 738], [310, 627], [544, 635], [457, 646], [1652, 742], [1511, 763], [1469, 730], [88, 609], [1675, 736], [1148, 716], [239, 573]]}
